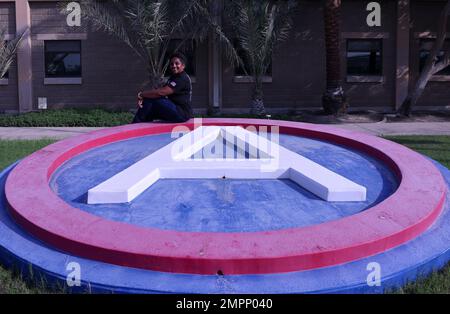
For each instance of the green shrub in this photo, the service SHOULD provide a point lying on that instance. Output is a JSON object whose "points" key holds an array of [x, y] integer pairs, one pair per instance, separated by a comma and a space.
{"points": [[67, 118]]}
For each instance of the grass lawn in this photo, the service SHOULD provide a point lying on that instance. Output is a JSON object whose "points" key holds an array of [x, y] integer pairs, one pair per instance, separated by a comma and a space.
{"points": [[436, 147]]}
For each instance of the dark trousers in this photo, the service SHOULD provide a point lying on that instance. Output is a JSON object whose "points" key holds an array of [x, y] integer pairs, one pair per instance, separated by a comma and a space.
{"points": [[158, 109]]}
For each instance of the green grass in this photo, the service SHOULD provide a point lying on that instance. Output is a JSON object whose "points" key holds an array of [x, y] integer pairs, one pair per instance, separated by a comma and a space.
{"points": [[437, 283], [436, 147], [11, 151], [11, 282]]}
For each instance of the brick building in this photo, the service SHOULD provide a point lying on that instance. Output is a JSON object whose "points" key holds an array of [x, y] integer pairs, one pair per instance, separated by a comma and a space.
{"points": [[378, 63]]}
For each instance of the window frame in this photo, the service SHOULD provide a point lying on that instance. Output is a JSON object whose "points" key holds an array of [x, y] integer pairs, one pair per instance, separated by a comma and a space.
{"points": [[63, 79]]}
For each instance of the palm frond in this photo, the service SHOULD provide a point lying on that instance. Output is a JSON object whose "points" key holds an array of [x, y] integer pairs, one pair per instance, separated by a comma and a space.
{"points": [[149, 21], [147, 26], [229, 49], [183, 20], [208, 25], [277, 28], [259, 25], [8, 50], [109, 16]]}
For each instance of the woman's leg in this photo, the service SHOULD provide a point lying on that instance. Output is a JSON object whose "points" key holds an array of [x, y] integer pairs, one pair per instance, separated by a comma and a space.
{"points": [[144, 114], [164, 109]]}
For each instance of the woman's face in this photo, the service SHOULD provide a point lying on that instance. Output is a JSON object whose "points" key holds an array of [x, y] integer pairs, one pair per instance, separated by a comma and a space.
{"points": [[176, 66]]}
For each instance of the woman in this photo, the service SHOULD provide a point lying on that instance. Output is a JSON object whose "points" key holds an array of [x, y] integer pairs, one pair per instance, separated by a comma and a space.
{"points": [[172, 102]]}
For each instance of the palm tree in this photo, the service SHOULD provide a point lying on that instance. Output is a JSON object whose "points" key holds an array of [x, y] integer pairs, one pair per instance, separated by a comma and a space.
{"points": [[8, 51], [334, 99], [148, 26], [258, 26]]}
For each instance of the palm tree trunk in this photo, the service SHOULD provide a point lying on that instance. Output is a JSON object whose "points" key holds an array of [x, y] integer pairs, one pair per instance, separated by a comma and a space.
{"points": [[257, 106], [411, 100], [334, 99]]}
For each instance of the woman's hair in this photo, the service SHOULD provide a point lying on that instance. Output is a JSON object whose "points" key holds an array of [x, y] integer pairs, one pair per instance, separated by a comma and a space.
{"points": [[180, 56]]}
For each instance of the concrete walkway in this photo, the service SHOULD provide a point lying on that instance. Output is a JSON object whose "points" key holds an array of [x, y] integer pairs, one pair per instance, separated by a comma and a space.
{"points": [[379, 129]]}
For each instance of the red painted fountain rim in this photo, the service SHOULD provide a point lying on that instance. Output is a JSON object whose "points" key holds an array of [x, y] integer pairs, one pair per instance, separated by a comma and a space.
{"points": [[413, 207]]}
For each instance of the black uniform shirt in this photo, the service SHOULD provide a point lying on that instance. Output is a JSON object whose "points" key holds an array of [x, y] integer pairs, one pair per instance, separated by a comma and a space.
{"points": [[182, 93]]}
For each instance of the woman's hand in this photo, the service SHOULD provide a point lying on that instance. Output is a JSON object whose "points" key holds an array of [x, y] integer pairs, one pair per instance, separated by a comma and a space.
{"points": [[140, 99]]}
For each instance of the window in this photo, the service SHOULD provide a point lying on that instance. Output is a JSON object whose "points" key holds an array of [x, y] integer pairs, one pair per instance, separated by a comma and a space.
{"points": [[364, 57], [62, 58], [425, 47], [239, 70], [188, 50]]}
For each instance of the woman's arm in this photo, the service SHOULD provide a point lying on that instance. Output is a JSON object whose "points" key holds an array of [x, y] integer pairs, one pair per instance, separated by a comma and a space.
{"points": [[156, 93]]}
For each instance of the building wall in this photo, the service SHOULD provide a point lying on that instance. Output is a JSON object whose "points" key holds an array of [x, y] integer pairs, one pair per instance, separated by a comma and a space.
{"points": [[112, 74], [8, 93], [298, 79], [298, 70]]}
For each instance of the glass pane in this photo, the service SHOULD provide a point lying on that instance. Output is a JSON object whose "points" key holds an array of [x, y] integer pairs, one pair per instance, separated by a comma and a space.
{"points": [[364, 57], [62, 64], [445, 71], [364, 45], [423, 55], [63, 46], [364, 63], [426, 44], [425, 47]]}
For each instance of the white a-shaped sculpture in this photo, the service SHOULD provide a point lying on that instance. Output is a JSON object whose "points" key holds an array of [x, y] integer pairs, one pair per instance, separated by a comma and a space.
{"points": [[213, 152]]}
